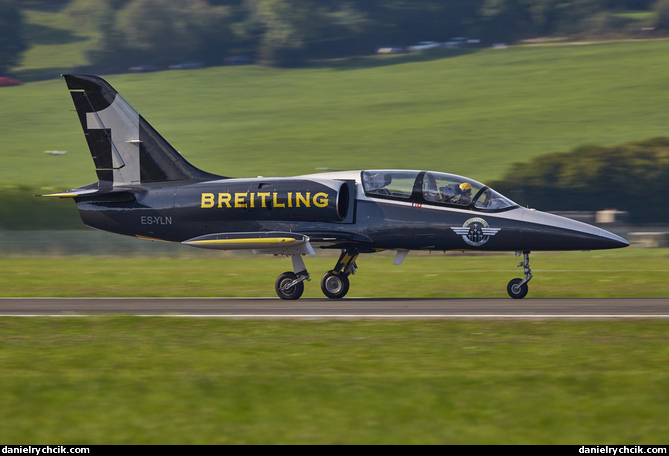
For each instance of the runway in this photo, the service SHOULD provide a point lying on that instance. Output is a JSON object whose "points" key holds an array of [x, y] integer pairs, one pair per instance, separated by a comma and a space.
{"points": [[345, 308]]}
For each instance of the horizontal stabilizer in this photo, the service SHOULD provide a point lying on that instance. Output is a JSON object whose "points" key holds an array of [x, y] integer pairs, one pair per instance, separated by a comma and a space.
{"points": [[94, 194], [71, 194], [276, 242]]}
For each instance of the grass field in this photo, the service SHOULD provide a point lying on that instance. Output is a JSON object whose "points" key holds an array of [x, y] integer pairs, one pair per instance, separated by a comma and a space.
{"points": [[618, 273], [133, 380], [468, 113]]}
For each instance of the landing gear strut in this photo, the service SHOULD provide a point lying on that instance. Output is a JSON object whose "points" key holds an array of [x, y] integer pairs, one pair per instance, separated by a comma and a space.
{"points": [[335, 283], [517, 288], [290, 285]]}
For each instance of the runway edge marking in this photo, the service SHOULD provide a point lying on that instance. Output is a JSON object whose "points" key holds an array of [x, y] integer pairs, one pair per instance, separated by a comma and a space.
{"points": [[351, 316]]}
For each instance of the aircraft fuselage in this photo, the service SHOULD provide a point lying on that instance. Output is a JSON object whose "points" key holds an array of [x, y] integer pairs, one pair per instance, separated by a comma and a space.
{"points": [[308, 206]]}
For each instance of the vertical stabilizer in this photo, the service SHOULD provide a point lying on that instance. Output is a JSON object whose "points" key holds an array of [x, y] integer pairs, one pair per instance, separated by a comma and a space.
{"points": [[127, 151]]}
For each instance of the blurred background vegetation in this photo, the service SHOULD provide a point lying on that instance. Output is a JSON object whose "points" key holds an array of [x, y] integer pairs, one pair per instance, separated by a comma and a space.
{"points": [[500, 119], [290, 32], [629, 177]]}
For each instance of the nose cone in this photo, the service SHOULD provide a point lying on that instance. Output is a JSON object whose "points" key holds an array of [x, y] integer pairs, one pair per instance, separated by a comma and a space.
{"points": [[608, 240], [562, 233]]}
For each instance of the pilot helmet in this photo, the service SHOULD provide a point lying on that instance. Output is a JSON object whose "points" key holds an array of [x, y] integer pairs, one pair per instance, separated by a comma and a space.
{"points": [[465, 187]]}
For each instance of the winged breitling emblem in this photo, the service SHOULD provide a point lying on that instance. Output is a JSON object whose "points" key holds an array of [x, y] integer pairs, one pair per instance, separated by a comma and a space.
{"points": [[475, 231]]}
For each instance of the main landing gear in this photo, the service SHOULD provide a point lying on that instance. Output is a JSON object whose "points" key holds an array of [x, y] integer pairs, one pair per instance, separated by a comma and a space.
{"points": [[517, 288], [290, 285], [334, 284]]}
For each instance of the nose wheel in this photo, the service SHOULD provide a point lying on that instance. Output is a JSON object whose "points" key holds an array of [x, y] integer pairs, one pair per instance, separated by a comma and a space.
{"points": [[517, 288]]}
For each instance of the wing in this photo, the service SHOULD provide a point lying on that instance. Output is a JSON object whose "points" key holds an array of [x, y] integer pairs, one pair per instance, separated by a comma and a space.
{"points": [[278, 242]]}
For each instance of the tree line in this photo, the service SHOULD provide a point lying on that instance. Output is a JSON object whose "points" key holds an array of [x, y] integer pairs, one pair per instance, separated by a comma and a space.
{"points": [[289, 32], [632, 177]]}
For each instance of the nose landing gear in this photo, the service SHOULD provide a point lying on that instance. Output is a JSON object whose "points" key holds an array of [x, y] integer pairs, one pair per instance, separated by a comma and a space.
{"points": [[517, 288]]}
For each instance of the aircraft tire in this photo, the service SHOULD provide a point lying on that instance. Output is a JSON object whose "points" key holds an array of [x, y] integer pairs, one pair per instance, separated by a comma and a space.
{"points": [[293, 292], [334, 286], [515, 291]]}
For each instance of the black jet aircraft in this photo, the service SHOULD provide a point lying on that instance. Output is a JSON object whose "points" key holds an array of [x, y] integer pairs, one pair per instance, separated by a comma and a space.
{"points": [[148, 190]]}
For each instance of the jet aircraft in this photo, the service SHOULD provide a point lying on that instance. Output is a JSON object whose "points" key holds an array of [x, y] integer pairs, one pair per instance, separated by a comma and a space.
{"points": [[146, 189]]}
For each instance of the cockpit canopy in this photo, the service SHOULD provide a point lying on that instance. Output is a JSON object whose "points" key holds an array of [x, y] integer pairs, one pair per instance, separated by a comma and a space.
{"points": [[427, 187]]}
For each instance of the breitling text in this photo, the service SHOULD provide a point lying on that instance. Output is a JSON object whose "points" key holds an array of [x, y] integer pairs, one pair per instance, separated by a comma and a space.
{"points": [[263, 200]]}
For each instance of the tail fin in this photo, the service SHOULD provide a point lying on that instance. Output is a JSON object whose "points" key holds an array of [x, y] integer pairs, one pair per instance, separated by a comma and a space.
{"points": [[127, 151]]}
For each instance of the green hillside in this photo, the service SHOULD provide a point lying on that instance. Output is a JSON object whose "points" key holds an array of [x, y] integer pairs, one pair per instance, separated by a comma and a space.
{"points": [[471, 113]]}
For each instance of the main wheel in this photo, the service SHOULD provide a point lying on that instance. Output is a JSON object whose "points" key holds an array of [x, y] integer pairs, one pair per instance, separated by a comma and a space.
{"points": [[515, 290], [334, 286], [293, 292]]}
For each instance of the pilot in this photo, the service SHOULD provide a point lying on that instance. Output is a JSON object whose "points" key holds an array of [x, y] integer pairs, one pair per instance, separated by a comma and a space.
{"points": [[378, 183], [464, 196]]}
